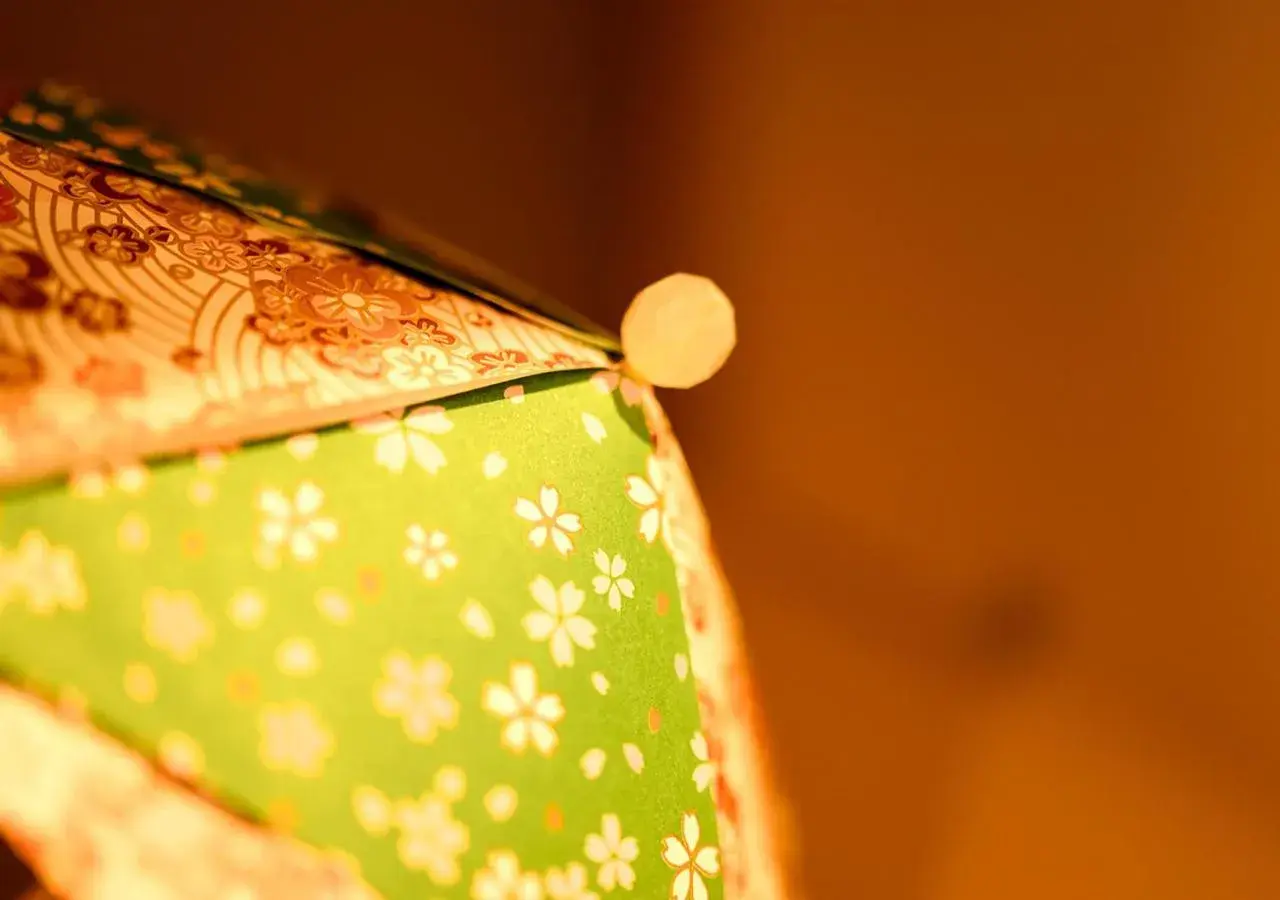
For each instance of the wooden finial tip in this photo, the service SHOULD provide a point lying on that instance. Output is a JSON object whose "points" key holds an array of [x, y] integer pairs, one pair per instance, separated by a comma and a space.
{"points": [[679, 331]]}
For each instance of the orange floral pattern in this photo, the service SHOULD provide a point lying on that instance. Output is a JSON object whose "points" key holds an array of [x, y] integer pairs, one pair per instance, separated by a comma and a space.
{"points": [[10, 214], [320, 333], [22, 275], [116, 243]]}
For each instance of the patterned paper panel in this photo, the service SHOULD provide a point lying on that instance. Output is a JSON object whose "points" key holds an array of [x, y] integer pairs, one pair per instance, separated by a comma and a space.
{"points": [[65, 118], [137, 319]]}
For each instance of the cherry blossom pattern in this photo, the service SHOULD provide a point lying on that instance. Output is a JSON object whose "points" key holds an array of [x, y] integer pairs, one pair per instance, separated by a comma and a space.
{"points": [[293, 525], [569, 883], [418, 694], [364, 301], [174, 623], [500, 802], [22, 277], [503, 879], [529, 717], [429, 551], [704, 773], [423, 365], [431, 839], [557, 619], [293, 739], [425, 330], [646, 493], [499, 361], [372, 809], [631, 391], [271, 254], [477, 620], [120, 244], [95, 313], [198, 218], [408, 437], [215, 255], [614, 853], [612, 581], [692, 863], [46, 576], [549, 522]]}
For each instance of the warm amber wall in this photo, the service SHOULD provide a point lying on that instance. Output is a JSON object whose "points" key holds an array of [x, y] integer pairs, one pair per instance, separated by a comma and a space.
{"points": [[1008, 315], [1008, 304]]}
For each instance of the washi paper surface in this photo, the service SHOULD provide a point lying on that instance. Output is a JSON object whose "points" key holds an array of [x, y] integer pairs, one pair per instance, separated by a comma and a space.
{"points": [[446, 642], [64, 117], [138, 319]]}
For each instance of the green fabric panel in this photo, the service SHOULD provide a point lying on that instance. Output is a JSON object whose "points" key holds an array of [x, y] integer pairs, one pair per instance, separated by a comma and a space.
{"points": [[246, 620]]}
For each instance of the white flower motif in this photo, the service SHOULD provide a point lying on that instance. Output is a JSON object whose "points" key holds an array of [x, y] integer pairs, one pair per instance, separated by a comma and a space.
{"points": [[297, 657], [614, 854], [592, 763], [302, 446], [94, 483], [503, 879], [423, 365], [450, 783], [247, 609], [608, 381], [173, 621], [595, 428], [634, 757], [372, 810], [501, 801], [548, 521], [646, 493], [558, 621], [477, 620], [293, 739], [403, 439], [429, 551], [295, 525], [530, 717], [612, 581], [494, 465], [569, 883], [704, 773], [47, 576], [431, 839], [180, 755], [691, 862], [418, 694]]}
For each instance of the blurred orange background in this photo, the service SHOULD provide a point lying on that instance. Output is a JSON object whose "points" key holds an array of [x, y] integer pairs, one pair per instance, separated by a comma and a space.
{"points": [[996, 467]]}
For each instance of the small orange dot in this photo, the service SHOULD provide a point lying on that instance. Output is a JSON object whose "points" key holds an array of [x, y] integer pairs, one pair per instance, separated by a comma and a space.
{"points": [[193, 544], [555, 818], [664, 604], [242, 687], [282, 816], [369, 583], [655, 719]]}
